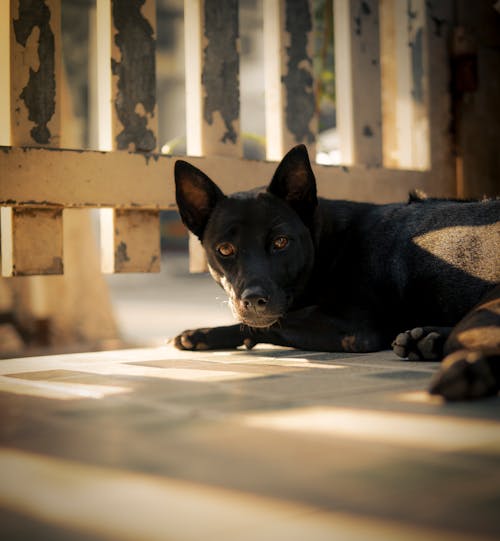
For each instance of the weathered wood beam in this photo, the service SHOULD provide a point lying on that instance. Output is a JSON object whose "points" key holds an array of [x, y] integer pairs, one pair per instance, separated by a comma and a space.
{"points": [[86, 179]]}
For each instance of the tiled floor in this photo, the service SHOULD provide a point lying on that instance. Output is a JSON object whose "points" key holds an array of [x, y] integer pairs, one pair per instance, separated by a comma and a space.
{"points": [[273, 444]]}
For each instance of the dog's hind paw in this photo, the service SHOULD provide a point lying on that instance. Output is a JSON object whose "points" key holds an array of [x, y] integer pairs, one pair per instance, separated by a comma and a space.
{"points": [[465, 375], [420, 344]]}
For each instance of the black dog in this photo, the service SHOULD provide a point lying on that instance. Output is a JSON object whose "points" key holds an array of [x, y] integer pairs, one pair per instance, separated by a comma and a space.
{"points": [[344, 276]]}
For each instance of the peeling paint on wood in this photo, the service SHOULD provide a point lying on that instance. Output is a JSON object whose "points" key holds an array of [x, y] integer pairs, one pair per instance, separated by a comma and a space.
{"points": [[121, 256], [39, 94], [220, 76], [364, 10], [417, 66], [135, 100], [367, 131], [300, 103]]}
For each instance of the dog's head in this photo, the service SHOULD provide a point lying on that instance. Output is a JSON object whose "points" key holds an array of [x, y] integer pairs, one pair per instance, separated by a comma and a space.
{"points": [[258, 243]]}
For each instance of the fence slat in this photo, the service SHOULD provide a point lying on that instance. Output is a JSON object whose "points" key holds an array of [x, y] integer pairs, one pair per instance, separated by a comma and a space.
{"points": [[357, 77], [212, 88], [289, 94], [25, 253], [34, 236], [415, 86], [440, 21], [132, 235], [130, 240], [212, 77]]}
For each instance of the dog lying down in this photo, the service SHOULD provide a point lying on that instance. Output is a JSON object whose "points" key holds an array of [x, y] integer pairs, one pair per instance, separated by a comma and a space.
{"points": [[327, 275]]}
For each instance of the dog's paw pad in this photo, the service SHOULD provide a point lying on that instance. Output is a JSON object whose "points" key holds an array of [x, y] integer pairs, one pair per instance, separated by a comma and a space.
{"points": [[464, 375], [427, 345], [416, 333], [418, 344]]}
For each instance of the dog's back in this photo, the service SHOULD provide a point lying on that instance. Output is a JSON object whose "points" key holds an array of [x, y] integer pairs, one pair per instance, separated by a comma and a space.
{"points": [[429, 258]]}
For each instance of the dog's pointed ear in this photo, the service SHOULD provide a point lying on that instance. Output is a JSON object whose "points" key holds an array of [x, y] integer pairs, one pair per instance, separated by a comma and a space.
{"points": [[196, 196], [294, 182]]}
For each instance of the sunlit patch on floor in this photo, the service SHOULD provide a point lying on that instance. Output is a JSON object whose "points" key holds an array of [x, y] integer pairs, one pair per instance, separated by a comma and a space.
{"points": [[292, 362], [31, 376], [57, 389], [422, 431]]}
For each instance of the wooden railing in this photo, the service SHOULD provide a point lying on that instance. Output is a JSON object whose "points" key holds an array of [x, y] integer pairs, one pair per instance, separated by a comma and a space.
{"points": [[393, 112]]}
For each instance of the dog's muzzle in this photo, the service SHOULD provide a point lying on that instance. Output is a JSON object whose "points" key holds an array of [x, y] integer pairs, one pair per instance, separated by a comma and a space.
{"points": [[254, 308]]}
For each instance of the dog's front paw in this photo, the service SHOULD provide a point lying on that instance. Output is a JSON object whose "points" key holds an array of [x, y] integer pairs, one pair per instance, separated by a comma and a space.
{"points": [[228, 337], [419, 344], [192, 340], [465, 375]]}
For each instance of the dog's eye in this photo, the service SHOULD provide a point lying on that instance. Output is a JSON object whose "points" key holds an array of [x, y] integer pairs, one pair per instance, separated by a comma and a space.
{"points": [[280, 242], [226, 249]]}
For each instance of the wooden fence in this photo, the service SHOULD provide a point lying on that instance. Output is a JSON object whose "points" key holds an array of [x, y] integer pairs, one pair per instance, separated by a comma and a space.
{"points": [[393, 113]]}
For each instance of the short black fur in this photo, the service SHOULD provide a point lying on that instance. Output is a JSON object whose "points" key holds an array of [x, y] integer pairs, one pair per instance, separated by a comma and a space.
{"points": [[329, 275]]}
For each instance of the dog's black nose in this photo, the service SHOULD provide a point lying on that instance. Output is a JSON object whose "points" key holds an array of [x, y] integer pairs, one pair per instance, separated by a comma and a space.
{"points": [[254, 298]]}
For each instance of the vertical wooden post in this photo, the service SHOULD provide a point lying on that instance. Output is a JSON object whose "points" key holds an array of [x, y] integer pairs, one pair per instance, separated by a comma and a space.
{"points": [[389, 90], [5, 104], [405, 46], [411, 46], [32, 237], [35, 72], [130, 239], [212, 77], [357, 77], [133, 63], [439, 21], [193, 52], [212, 87], [289, 95]]}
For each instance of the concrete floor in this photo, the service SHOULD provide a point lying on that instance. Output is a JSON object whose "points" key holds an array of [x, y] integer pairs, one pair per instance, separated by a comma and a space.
{"points": [[279, 444], [150, 308]]}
